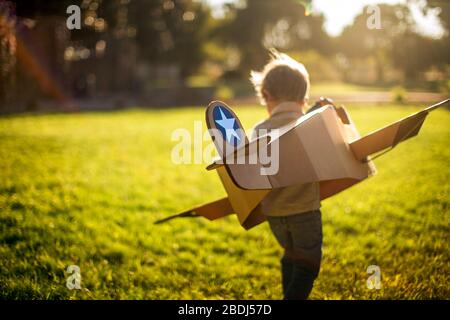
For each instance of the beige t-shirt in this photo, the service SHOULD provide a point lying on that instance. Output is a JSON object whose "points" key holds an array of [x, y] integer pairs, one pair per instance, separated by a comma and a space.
{"points": [[294, 199]]}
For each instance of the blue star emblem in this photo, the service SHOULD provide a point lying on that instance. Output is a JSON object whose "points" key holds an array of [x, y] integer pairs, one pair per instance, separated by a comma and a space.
{"points": [[228, 125]]}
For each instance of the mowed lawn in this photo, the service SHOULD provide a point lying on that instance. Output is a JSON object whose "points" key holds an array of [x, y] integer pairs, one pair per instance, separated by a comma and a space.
{"points": [[84, 189]]}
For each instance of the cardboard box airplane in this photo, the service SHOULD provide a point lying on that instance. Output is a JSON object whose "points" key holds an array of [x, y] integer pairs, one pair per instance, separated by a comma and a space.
{"points": [[322, 146]]}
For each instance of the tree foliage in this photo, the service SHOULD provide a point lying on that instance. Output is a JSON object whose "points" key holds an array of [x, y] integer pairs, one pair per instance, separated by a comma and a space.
{"points": [[280, 24], [176, 32]]}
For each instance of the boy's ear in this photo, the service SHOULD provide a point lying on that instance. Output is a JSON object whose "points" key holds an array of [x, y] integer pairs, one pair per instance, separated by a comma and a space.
{"points": [[266, 95], [304, 104]]}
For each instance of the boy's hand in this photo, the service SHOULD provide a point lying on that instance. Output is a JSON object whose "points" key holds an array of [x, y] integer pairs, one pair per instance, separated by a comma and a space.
{"points": [[320, 103]]}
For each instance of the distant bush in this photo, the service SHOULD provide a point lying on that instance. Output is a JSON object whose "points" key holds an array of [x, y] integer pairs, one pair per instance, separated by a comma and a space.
{"points": [[224, 93], [398, 95]]}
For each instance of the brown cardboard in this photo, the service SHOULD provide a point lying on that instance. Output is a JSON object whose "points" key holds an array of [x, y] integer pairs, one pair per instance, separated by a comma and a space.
{"points": [[322, 146], [392, 134], [243, 202], [212, 211], [389, 136], [314, 148]]}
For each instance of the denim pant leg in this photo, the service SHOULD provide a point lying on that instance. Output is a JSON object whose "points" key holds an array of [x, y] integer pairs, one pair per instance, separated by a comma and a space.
{"points": [[284, 238], [306, 253], [287, 270], [301, 237]]}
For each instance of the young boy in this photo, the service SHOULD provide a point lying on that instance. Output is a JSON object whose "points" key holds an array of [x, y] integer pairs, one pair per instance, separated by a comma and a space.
{"points": [[293, 212]]}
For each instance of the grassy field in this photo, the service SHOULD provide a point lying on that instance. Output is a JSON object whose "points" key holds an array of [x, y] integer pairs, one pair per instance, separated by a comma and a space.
{"points": [[85, 189]]}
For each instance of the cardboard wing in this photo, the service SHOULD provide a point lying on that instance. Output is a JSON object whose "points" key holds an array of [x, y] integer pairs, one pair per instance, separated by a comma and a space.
{"points": [[391, 135], [212, 211], [322, 146]]}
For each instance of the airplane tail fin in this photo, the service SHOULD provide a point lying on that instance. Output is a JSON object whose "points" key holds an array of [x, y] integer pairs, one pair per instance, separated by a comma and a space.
{"points": [[225, 128]]}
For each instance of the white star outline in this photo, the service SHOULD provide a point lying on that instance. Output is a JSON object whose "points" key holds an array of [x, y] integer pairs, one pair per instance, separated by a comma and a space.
{"points": [[228, 125]]}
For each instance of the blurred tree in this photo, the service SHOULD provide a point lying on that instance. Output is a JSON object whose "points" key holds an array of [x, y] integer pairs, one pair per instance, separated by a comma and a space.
{"points": [[444, 11], [8, 45], [397, 44], [257, 25], [359, 41], [415, 53], [443, 46], [166, 31], [171, 32]]}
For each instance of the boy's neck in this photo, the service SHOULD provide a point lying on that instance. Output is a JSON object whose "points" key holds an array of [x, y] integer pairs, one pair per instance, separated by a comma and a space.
{"points": [[271, 105]]}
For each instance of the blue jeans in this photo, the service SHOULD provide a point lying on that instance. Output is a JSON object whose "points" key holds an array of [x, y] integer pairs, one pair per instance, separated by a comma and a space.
{"points": [[301, 237]]}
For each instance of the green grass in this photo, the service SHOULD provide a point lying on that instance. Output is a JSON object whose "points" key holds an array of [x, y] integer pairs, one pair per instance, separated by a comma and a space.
{"points": [[84, 189]]}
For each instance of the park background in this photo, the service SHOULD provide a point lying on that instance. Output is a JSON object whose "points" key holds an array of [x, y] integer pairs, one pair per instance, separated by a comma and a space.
{"points": [[85, 146]]}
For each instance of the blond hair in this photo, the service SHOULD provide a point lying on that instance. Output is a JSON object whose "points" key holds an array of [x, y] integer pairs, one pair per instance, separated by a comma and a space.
{"points": [[283, 78]]}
